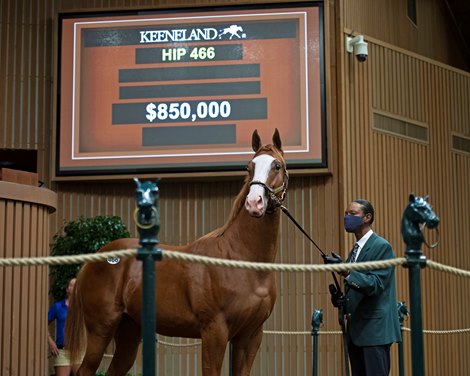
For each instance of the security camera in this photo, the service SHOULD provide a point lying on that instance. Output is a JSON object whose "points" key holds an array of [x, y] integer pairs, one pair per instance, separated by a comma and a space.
{"points": [[358, 46]]}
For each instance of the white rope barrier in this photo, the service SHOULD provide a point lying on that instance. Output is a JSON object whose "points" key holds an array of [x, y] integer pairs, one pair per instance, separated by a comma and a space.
{"points": [[259, 266], [452, 331], [320, 332], [180, 256]]}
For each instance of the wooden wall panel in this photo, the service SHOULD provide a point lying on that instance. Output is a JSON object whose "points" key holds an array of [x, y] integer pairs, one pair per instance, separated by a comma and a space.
{"points": [[24, 232], [386, 168], [435, 36], [26, 68]]}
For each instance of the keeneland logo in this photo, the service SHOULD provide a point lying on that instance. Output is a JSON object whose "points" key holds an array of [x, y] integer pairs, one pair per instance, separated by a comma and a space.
{"points": [[190, 35], [233, 31]]}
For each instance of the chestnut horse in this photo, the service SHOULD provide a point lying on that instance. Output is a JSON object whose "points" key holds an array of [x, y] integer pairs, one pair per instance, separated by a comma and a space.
{"points": [[218, 305]]}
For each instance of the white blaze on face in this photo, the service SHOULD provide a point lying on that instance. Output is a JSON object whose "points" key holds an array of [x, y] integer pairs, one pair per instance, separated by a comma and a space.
{"points": [[256, 201], [146, 196]]}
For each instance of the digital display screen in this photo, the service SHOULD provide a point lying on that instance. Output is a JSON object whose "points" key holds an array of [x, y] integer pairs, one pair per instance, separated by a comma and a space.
{"points": [[183, 91]]}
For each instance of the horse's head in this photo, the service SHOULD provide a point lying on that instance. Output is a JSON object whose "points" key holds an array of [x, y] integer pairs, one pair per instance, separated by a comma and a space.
{"points": [[418, 214], [146, 215], [146, 193], [267, 176], [419, 211]]}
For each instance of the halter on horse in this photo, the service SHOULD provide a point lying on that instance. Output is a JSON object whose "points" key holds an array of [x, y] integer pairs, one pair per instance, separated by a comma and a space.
{"points": [[417, 215], [215, 304]]}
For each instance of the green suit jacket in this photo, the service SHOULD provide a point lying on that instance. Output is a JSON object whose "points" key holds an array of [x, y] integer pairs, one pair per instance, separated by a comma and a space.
{"points": [[371, 303]]}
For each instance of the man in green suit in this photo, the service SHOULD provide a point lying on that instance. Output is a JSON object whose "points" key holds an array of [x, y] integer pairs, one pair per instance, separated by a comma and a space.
{"points": [[371, 304]]}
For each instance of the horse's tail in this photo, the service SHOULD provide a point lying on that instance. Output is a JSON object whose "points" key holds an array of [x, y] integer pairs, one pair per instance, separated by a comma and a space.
{"points": [[75, 333]]}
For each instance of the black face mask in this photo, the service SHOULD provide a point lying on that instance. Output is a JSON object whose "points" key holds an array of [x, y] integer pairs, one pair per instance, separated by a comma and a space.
{"points": [[352, 223]]}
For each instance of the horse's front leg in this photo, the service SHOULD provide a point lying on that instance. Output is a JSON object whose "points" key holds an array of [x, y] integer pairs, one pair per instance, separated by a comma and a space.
{"points": [[244, 350], [214, 342]]}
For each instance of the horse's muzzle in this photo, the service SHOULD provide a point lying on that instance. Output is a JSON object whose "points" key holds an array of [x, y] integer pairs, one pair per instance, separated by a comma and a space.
{"points": [[433, 222]]}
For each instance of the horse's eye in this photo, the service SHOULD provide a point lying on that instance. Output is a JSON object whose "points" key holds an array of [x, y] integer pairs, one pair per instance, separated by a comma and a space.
{"points": [[277, 166]]}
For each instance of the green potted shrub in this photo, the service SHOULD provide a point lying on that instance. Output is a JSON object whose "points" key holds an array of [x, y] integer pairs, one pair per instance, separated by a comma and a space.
{"points": [[80, 236]]}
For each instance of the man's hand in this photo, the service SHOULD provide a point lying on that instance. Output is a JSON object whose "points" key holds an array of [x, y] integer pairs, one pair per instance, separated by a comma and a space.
{"points": [[333, 259], [337, 297], [338, 301]]}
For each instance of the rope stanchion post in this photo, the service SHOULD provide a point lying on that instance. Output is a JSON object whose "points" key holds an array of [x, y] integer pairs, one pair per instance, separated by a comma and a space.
{"points": [[417, 214], [317, 319], [416, 261], [148, 224], [402, 312]]}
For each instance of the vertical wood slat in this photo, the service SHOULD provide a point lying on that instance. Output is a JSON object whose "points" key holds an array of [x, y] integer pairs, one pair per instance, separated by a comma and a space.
{"points": [[7, 251]]}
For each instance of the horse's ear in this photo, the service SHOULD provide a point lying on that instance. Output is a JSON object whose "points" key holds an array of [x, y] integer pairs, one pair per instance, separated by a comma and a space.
{"points": [[137, 182], [412, 197], [255, 141], [277, 140], [426, 198]]}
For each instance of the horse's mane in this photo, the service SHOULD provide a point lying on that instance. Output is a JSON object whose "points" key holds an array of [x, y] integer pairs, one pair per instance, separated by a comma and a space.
{"points": [[240, 199], [236, 207]]}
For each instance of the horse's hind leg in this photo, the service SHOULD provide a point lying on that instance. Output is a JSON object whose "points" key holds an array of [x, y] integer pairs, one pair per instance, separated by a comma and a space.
{"points": [[127, 340], [96, 345]]}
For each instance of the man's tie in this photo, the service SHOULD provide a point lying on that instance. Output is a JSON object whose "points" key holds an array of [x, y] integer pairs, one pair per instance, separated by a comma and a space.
{"points": [[354, 253]]}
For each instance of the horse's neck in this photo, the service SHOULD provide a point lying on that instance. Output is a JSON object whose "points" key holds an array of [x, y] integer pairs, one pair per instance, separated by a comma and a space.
{"points": [[412, 235], [255, 239], [409, 227]]}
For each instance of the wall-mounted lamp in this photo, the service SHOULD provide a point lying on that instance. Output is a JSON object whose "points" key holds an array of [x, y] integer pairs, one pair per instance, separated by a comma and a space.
{"points": [[358, 46]]}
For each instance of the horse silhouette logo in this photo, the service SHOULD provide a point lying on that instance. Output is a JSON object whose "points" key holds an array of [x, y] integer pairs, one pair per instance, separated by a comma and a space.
{"points": [[233, 31]]}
